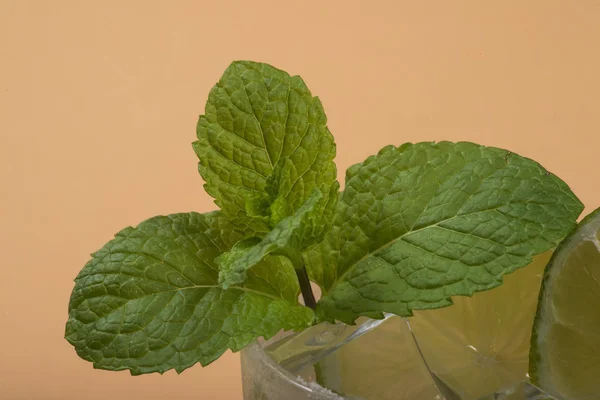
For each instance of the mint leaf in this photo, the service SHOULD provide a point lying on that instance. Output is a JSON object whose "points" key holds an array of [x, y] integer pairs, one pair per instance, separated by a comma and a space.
{"points": [[422, 222], [263, 145], [288, 238], [149, 300]]}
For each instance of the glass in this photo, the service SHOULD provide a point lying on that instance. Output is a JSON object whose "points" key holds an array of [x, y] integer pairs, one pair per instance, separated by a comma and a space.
{"points": [[475, 349], [293, 375], [264, 379]]}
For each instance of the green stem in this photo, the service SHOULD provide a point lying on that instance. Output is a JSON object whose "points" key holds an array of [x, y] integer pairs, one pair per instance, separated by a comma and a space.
{"points": [[307, 293]]}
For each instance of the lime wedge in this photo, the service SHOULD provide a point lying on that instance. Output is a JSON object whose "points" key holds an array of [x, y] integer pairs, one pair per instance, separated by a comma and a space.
{"points": [[476, 346], [565, 344], [383, 364], [481, 344]]}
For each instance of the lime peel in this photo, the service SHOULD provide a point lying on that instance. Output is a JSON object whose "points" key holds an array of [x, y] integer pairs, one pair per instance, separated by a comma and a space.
{"points": [[564, 344]]}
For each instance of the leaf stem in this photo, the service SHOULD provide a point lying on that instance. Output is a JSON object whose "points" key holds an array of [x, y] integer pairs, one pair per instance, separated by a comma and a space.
{"points": [[307, 293]]}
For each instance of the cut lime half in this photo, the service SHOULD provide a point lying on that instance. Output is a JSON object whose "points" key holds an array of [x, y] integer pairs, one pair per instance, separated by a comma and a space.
{"points": [[565, 344]]}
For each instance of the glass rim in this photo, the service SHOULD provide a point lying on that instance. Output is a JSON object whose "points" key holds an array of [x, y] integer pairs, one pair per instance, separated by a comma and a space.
{"points": [[257, 352]]}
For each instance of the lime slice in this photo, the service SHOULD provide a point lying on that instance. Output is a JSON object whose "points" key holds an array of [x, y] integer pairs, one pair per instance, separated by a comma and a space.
{"points": [[383, 364], [481, 344], [475, 347], [565, 351]]}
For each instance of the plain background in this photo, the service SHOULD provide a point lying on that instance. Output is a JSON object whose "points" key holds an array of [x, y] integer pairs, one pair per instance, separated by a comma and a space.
{"points": [[99, 102]]}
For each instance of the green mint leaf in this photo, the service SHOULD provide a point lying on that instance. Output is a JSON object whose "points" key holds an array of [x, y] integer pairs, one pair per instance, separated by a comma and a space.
{"points": [[423, 222], [288, 238], [149, 300], [263, 145]]}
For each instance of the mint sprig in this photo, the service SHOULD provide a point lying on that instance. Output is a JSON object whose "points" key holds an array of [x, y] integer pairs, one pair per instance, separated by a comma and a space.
{"points": [[423, 222], [263, 146], [415, 225], [288, 238], [150, 301]]}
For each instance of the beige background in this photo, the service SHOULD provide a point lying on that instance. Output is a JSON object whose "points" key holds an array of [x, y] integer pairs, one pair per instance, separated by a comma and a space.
{"points": [[99, 101]]}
